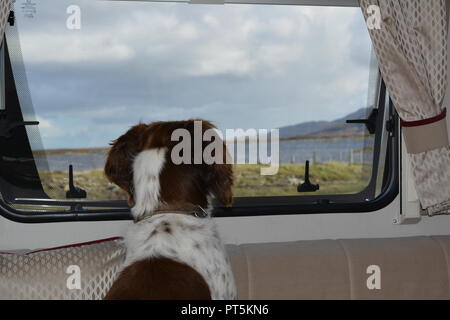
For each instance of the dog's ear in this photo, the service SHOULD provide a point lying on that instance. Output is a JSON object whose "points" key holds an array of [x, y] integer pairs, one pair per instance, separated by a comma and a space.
{"points": [[220, 172], [118, 166], [221, 183]]}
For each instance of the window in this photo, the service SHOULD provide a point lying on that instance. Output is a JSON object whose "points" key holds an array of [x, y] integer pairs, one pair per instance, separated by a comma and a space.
{"points": [[86, 71]]}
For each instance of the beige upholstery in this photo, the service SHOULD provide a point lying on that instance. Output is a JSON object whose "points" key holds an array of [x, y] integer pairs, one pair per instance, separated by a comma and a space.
{"points": [[411, 268], [51, 274]]}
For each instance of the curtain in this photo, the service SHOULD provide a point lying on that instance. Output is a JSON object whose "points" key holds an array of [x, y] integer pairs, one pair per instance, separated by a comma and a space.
{"points": [[410, 40], [5, 5]]}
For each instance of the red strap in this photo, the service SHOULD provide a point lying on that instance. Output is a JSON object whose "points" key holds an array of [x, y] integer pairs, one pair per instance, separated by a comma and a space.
{"points": [[425, 121], [69, 246]]}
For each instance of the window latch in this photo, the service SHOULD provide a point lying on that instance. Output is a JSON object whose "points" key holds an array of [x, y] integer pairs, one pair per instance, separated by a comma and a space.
{"points": [[74, 192], [370, 122], [7, 126], [307, 186]]}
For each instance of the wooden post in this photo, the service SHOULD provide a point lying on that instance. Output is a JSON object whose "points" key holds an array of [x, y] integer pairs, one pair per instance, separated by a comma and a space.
{"points": [[350, 157]]}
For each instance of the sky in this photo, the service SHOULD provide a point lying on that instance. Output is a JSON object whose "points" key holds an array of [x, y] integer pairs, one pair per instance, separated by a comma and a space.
{"points": [[240, 66]]}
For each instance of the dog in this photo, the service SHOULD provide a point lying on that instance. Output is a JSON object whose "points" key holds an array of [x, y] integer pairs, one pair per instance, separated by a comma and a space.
{"points": [[173, 249]]}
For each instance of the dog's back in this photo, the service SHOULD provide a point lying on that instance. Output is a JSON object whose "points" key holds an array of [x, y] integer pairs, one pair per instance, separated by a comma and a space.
{"points": [[165, 244]]}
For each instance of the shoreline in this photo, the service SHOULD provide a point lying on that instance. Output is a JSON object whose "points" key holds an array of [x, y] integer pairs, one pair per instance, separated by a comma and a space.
{"points": [[63, 151]]}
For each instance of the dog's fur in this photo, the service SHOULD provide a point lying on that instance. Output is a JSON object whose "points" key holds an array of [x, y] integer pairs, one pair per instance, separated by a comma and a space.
{"points": [[169, 255]]}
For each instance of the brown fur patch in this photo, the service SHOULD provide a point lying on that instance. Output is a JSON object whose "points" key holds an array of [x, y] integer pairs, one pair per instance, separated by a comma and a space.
{"points": [[153, 233], [159, 279]]}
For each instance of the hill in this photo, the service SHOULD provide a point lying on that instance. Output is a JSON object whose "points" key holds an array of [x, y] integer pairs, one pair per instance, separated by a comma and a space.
{"points": [[327, 129]]}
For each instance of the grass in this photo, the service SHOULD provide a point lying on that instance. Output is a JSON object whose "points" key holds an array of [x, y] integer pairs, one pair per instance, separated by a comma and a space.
{"points": [[56, 183], [333, 177]]}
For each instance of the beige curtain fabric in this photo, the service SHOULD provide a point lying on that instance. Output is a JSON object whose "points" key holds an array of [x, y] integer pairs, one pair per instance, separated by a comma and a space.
{"points": [[5, 5], [410, 41]]}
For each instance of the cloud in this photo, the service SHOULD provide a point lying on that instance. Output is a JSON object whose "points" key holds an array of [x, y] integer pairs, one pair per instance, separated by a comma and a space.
{"points": [[241, 66], [74, 49], [48, 129]]}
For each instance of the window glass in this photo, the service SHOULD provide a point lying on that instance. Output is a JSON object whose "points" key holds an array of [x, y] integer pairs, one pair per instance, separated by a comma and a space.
{"points": [[95, 68]]}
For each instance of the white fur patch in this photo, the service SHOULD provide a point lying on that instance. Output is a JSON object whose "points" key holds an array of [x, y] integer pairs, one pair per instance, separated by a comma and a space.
{"points": [[186, 239], [147, 166]]}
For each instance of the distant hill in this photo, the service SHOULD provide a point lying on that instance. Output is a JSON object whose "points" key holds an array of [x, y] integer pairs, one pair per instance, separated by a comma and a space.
{"points": [[327, 129]]}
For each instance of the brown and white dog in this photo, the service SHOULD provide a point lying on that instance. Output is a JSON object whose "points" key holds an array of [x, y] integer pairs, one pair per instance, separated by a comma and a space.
{"points": [[173, 248]]}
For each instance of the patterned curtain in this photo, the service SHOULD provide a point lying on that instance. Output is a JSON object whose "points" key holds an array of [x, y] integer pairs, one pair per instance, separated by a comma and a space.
{"points": [[5, 5], [410, 41]]}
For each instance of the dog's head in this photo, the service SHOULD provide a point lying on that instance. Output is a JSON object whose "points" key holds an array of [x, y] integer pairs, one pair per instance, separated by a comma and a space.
{"points": [[142, 163]]}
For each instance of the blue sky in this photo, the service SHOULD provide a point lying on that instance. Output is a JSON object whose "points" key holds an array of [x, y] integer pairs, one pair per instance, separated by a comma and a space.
{"points": [[240, 66]]}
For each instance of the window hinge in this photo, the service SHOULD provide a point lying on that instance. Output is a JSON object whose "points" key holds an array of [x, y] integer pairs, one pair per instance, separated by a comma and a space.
{"points": [[390, 126], [11, 18]]}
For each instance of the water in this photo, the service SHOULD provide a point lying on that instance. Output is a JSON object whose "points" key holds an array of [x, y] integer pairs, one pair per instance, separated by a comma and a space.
{"points": [[298, 151], [293, 151], [81, 162]]}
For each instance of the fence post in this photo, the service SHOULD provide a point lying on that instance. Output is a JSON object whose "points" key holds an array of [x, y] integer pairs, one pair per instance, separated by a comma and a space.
{"points": [[314, 158], [350, 157]]}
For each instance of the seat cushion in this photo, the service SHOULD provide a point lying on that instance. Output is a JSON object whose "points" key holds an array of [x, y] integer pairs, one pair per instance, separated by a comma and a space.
{"points": [[410, 268]]}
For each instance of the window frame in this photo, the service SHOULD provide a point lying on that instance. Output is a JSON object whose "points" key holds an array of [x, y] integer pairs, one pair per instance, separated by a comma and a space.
{"points": [[322, 204], [2, 77], [388, 194], [82, 210], [317, 3]]}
